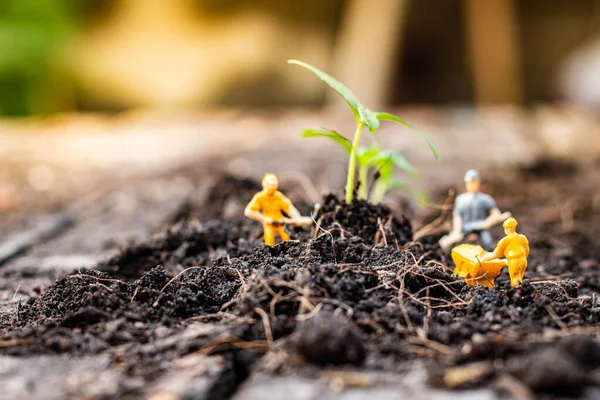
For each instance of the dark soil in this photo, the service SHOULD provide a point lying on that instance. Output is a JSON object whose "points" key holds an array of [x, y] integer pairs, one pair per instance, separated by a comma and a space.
{"points": [[356, 289], [330, 338]]}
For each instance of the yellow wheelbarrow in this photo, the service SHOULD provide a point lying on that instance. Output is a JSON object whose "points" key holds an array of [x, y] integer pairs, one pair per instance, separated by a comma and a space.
{"points": [[467, 257]]}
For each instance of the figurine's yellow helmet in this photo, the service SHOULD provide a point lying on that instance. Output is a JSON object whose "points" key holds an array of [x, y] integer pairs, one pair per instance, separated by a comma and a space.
{"points": [[510, 223], [269, 179]]}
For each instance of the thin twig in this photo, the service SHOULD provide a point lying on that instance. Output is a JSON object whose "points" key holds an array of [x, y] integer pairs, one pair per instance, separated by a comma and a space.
{"points": [[177, 276], [311, 314], [432, 344], [103, 285], [429, 228], [266, 324], [12, 343], [80, 275], [227, 341], [350, 310], [385, 242], [16, 291], [556, 318], [330, 234]]}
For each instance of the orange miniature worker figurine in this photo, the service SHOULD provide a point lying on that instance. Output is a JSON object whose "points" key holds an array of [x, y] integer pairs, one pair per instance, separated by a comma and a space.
{"points": [[515, 248], [268, 207], [477, 266]]}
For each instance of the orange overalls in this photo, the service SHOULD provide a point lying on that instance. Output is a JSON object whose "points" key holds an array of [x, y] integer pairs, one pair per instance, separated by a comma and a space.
{"points": [[272, 206]]}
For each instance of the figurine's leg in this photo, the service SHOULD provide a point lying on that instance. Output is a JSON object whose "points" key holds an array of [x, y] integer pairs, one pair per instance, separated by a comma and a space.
{"points": [[269, 235], [283, 234], [450, 239], [516, 270], [522, 270], [486, 240]]}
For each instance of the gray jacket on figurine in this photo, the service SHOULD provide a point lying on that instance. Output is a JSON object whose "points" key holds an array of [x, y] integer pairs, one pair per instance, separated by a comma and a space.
{"points": [[474, 212], [473, 209]]}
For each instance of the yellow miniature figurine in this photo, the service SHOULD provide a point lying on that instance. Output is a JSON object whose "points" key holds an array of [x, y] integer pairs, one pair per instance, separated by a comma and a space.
{"points": [[515, 248], [268, 207], [476, 266]]}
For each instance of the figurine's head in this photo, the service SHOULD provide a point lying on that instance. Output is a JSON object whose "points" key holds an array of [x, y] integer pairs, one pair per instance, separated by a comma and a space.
{"points": [[472, 181], [510, 225], [270, 183]]}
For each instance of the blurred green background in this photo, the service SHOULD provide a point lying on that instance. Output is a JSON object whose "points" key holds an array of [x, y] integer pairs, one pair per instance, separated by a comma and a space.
{"points": [[32, 35], [113, 55]]}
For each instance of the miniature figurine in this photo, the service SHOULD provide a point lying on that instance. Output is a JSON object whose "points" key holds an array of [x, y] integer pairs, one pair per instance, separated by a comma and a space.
{"points": [[474, 212], [515, 248], [477, 266], [268, 207]]}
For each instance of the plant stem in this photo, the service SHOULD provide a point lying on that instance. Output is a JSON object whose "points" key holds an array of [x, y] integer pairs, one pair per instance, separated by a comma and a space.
{"points": [[352, 163], [378, 192], [363, 175]]}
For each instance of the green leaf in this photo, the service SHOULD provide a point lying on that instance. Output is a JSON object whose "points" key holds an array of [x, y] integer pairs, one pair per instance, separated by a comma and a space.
{"points": [[385, 171], [369, 118], [422, 198], [393, 158], [321, 132], [364, 154], [395, 183], [336, 85], [391, 117]]}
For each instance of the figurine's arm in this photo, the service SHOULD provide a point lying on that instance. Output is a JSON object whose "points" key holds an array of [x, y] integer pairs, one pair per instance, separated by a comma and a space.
{"points": [[457, 224], [455, 235], [289, 209], [497, 253], [495, 216], [252, 211], [293, 212], [495, 212]]}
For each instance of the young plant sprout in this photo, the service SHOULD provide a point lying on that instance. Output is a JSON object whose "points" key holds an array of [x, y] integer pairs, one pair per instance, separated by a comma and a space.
{"points": [[366, 158], [373, 161], [382, 164]]}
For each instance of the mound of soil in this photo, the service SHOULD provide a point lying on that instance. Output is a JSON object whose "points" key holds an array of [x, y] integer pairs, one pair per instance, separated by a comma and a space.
{"points": [[355, 289], [330, 338], [372, 223]]}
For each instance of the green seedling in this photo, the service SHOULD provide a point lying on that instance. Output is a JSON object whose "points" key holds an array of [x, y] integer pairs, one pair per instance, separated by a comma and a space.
{"points": [[382, 164], [375, 162], [370, 119]]}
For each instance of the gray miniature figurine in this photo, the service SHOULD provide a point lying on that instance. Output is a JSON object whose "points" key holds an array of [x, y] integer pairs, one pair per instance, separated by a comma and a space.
{"points": [[474, 212]]}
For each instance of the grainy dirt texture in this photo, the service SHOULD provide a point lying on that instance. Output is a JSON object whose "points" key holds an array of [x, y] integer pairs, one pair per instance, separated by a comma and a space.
{"points": [[356, 291]]}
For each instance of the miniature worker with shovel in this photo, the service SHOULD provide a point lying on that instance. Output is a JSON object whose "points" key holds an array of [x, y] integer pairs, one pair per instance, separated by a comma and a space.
{"points": [[268, 207], [474, 212]]}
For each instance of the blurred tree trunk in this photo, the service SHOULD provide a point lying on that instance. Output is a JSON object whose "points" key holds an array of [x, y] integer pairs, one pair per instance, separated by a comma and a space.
{"points": [[366, 48], [493, 51]]}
